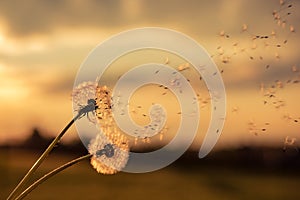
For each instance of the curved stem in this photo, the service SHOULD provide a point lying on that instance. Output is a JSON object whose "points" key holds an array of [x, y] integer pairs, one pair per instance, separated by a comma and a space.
{"points": [[42, 157], [50, 174]]}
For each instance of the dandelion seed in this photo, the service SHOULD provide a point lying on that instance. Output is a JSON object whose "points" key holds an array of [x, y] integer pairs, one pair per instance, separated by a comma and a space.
{"points": [[225, 59], [292, 29], [262, 88], [161, 136], [183, 67], [222, 33], [279, 84], [148, 140], [167, 61], [287, 117], [288, 141], [273, 33], [294, 68], [235, 109], [254, 46], [244, 28], [281, 2]]}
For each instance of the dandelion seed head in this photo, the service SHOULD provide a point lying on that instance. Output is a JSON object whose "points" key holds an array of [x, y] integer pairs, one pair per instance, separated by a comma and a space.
{"points": [[82, 95], [112, 160], [83, 92]]}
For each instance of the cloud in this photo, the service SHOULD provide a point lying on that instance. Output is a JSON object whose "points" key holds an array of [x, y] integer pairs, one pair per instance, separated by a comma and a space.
{"points": [[34, 17], [24, 18]]}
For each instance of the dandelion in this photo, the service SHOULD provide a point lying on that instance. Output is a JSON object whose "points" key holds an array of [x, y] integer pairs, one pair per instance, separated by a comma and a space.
{"points": [[84, 102], [115, 150], [111, 137]]}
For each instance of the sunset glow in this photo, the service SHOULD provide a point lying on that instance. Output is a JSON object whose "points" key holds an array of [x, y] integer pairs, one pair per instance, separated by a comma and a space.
{"points": [[41, 53]]}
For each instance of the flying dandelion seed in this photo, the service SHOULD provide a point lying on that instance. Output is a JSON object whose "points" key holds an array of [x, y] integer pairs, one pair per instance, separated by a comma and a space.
{"points": [[235, 109], [289, 142], [292, 29], [294, 68], [281, 2], [167, 61], [222, 33], [244, 28], [183, 67]]}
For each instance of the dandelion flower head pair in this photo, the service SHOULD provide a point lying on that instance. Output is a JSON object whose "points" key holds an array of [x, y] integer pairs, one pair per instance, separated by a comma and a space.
{"points": [[109, 148]]}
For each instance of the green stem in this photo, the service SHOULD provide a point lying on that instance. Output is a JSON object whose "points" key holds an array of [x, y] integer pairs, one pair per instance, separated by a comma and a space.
{"points": [[49, 175], [42, 158]]}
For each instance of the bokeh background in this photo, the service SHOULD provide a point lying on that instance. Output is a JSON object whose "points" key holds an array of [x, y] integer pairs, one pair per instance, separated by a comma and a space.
{"points": [[255, 46]]}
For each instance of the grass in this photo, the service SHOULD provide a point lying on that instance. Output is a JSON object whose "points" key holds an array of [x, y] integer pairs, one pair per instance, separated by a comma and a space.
{"points": [[83, 182]]}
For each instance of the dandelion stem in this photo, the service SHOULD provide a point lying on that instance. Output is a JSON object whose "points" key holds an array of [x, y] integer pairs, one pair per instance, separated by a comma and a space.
{"points": [[50, 174], [42, 157]]}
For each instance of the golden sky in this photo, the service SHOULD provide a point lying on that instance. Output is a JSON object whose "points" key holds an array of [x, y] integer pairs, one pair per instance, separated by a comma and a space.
{"points": [[43, 43]]}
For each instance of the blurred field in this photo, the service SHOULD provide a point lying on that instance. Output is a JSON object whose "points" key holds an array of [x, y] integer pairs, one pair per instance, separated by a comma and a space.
{"points": [[174, 182]]}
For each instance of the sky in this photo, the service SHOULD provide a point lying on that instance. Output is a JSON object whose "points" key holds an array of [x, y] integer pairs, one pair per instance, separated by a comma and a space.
{"points": [[43, 44]]}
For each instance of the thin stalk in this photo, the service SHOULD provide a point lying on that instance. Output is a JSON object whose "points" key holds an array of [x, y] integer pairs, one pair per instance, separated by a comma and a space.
{"points": [[42, 158], [49, 175]]}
